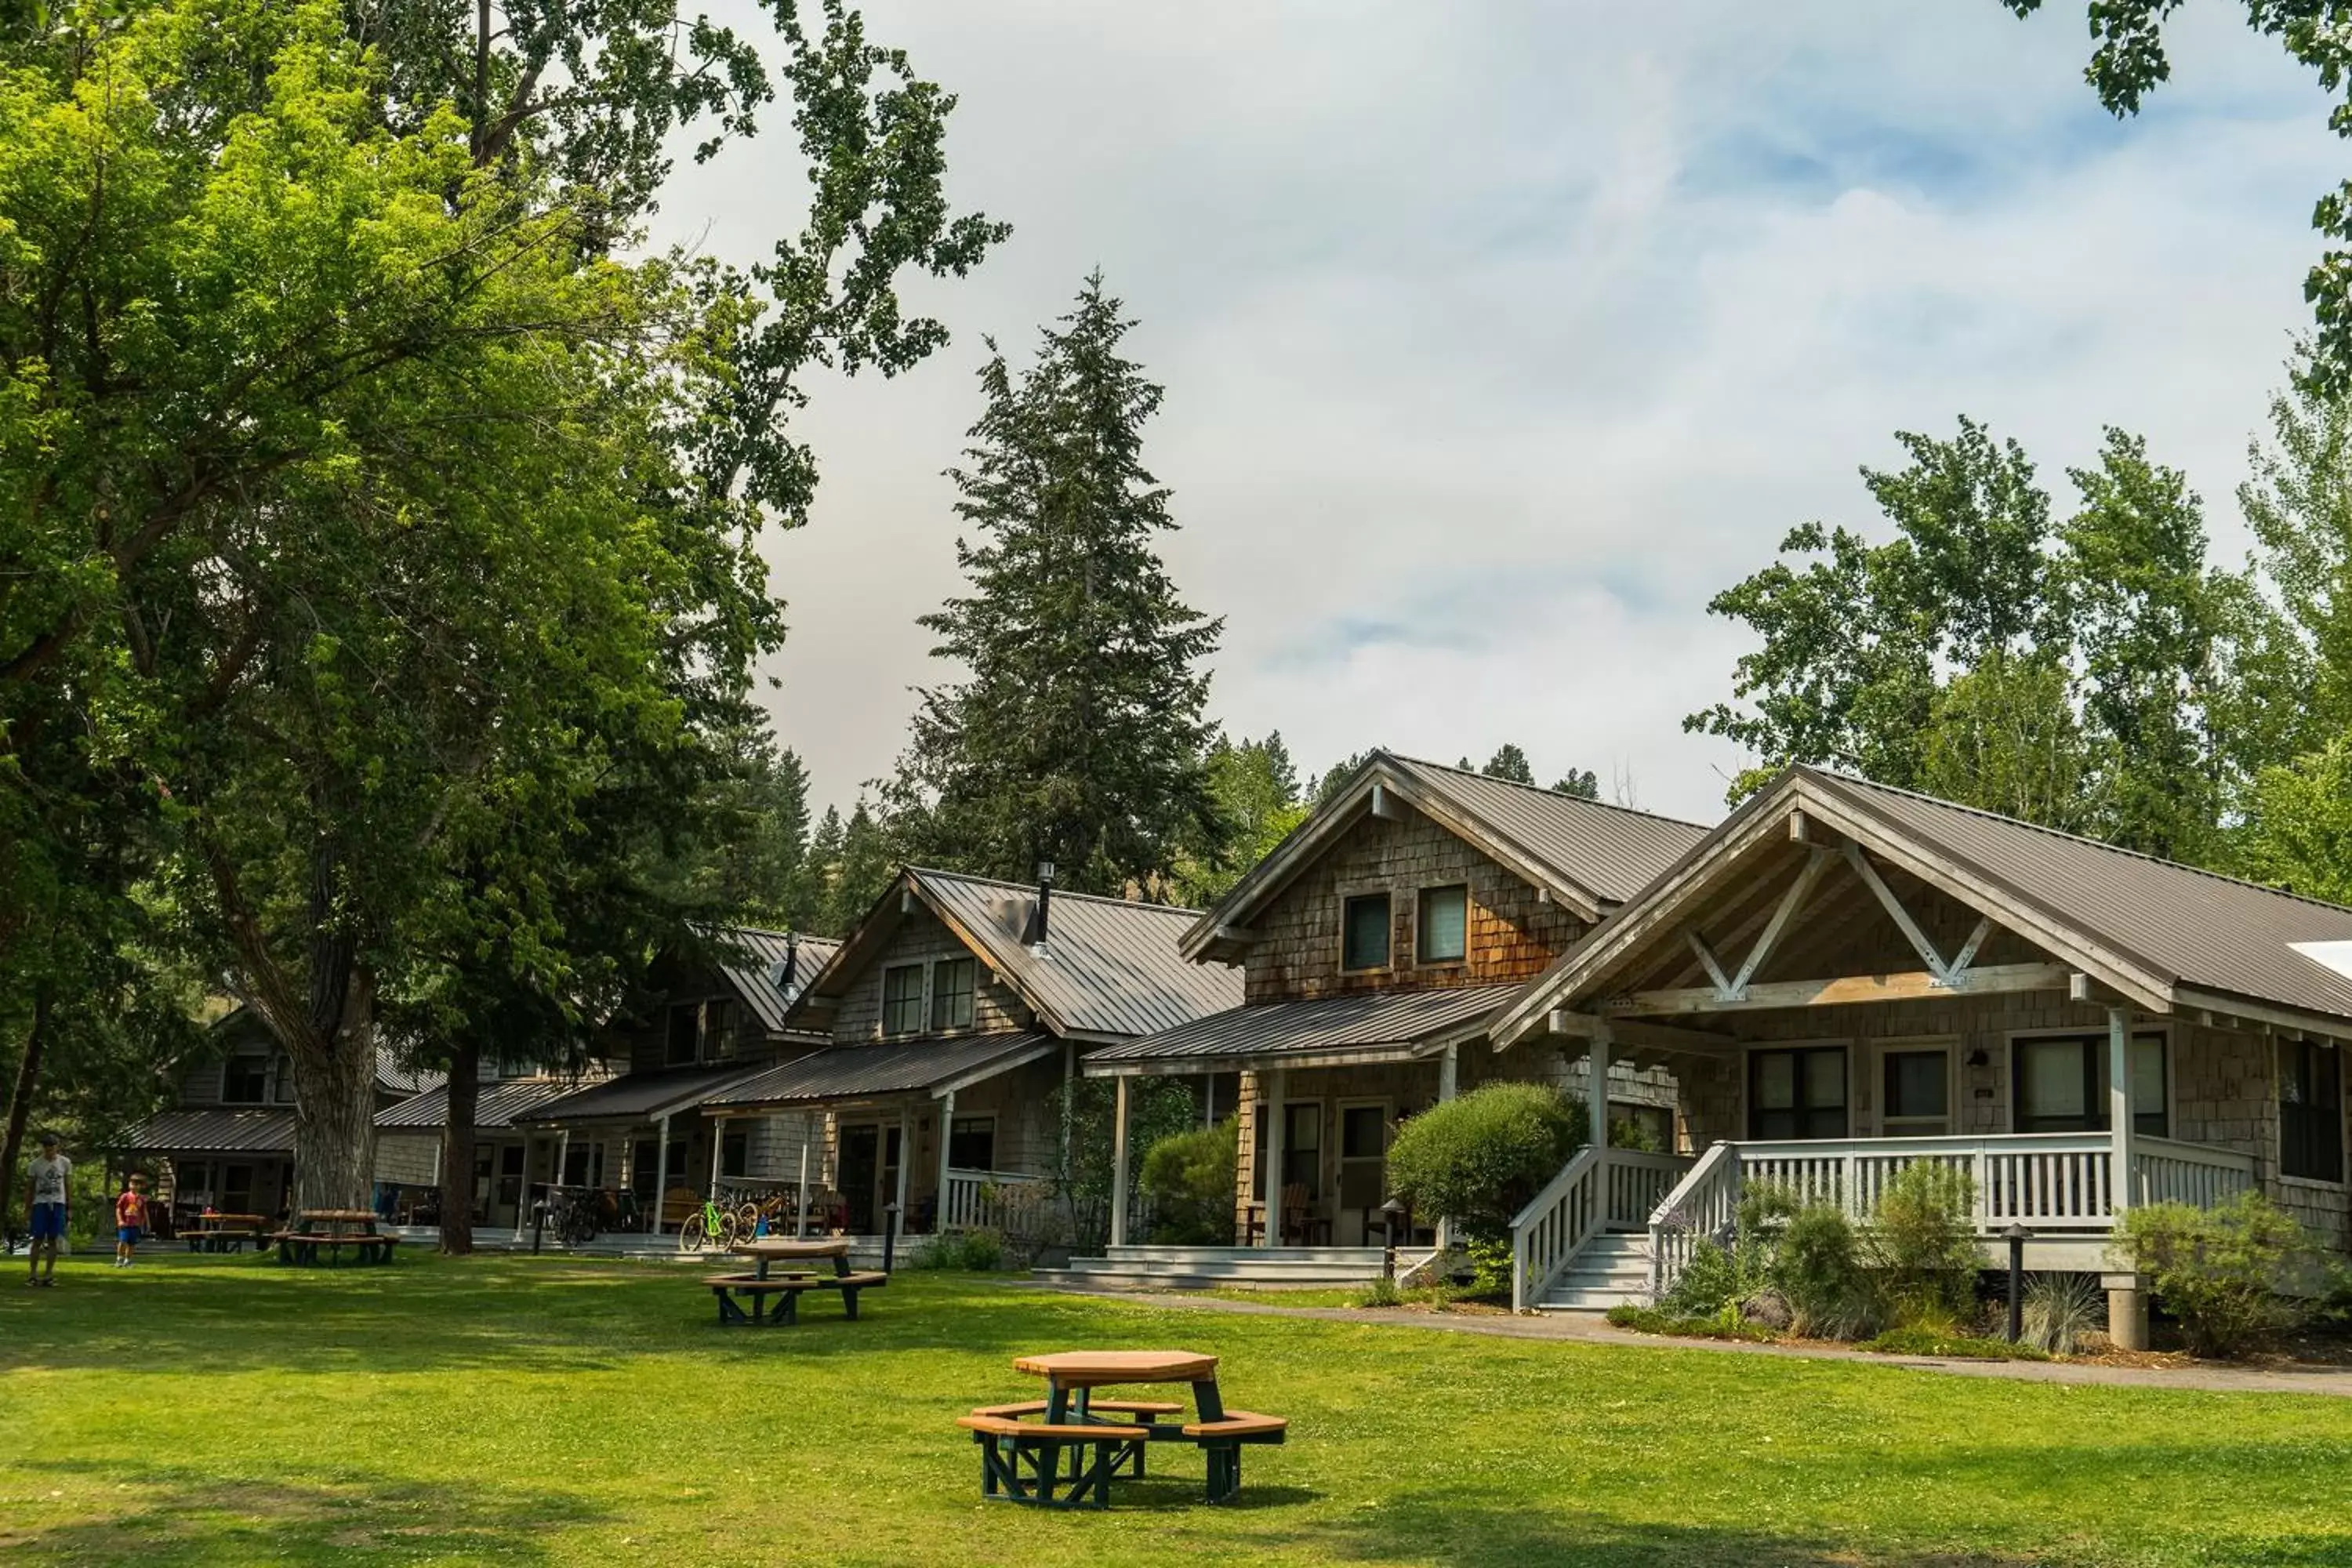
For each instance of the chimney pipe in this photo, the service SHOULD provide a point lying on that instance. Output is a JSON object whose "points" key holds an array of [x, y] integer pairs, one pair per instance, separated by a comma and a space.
{"points": [[791, 963], [1044, 901]]}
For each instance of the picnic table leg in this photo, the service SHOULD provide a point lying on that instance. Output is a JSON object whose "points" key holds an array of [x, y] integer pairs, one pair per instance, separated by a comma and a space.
{"points": [[1225, 1471], [849, 1301]]}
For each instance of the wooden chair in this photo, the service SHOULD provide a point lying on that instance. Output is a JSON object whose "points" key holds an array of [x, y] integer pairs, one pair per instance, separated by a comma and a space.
{"points": [[1298, 1216]]}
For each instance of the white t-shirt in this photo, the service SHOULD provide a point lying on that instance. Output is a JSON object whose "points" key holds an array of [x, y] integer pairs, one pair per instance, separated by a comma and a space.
{"points": [[49, 1178]]}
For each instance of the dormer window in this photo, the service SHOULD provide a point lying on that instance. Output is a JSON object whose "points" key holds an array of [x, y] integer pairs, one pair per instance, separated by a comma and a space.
{"points": [[1364, 932], [245, 1080], [683, 1042], [1442, 933], [902, 999], [951, 992]]}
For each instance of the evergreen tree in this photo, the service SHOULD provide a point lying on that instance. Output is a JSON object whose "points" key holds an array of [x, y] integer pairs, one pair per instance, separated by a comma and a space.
{"points": [[1257, 794], [1510, 764], [1078, 736], [1583, 784]]}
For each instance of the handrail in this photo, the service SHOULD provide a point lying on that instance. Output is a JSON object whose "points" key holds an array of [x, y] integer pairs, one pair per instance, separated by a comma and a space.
{"points": [[1700, 1204], [1554, 1224]]}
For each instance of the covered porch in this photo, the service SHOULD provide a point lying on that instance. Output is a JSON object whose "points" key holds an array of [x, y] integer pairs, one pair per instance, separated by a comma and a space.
{"points": [[641, 1141]]}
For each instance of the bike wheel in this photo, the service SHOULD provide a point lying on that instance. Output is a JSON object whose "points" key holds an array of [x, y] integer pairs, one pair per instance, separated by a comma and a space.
{"points": [[731, 1230], [691, 1235]]}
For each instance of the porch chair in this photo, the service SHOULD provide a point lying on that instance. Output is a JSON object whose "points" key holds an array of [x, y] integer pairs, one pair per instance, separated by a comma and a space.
{"points": [[1299, 1219]]}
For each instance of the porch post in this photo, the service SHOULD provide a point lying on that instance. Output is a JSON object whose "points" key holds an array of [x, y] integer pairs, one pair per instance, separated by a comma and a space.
{"points": [[1118, 1161], [946, 1126], [905, 1168], [661, 1173], [1270, 1135], [2127, 1296], [718, 1147], [1597, 1091], [808, 1132], [522, 1197], [1449, 1084]]}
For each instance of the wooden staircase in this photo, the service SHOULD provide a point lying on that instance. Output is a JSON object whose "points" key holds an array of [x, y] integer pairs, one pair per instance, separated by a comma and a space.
{"points": [[1611, 1270]]}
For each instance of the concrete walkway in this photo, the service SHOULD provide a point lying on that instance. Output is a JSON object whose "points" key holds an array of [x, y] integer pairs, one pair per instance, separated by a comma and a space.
{"points": [[1590, 1328]]}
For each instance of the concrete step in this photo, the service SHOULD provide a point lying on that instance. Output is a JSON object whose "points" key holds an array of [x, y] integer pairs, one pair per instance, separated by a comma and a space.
{"points": [[1564, 1298]]}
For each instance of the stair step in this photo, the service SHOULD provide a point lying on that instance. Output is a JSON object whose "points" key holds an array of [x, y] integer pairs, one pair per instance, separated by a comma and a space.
{"points": [[1582, 1300]]}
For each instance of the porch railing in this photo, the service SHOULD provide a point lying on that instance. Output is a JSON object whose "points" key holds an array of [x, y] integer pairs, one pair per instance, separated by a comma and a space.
{"points": [[2060, 1182], [991, 1200], [1596, 1190]]}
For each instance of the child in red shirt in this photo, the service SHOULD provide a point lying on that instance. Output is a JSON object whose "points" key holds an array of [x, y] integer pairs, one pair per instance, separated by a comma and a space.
{"points": [[130, 1219]]}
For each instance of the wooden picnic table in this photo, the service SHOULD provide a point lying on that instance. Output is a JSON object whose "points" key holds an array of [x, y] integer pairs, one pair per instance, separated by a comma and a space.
{"points": [[333, 1229], [771, 1249], [222, 1232], [1022, 1461], [787, 1289]]}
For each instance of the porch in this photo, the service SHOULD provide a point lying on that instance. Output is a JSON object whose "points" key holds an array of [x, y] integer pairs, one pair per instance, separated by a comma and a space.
{"points": [[2060, 1187]]}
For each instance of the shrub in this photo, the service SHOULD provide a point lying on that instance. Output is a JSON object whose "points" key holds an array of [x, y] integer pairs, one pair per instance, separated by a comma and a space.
{"points": [[1922, 1244], [1657, 1321], [2221, 1271], [1820, 1270], [1923, 1339], [1189, 1178], [1477, 1160], [1381, 1292], [980, 1250], [2059, 1311]]}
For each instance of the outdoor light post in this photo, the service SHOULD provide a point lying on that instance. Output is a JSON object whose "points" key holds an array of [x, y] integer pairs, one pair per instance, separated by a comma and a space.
{"points": [[889, 1234], [2016, 1234], [1393, 1211]]}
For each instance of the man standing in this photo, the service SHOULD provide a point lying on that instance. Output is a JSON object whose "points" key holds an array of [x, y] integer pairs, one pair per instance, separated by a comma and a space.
{"points": [[49, 1171]]}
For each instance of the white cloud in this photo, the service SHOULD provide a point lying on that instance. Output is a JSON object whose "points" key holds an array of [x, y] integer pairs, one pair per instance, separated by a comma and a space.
{"points": [[1498, 337]]}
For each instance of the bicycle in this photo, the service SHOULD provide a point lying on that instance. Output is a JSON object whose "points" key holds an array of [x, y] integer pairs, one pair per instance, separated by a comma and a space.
{"points": [[572, 1215], [710, 1225]]}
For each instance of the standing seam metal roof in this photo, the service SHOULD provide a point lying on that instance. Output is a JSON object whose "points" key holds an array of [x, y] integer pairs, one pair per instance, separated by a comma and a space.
{"points": [[1108, 966], [1356, 1020], [643, 1094], [901, 1067], [215, 1130], [760, 980], [1612, 851], [496, 1105]]}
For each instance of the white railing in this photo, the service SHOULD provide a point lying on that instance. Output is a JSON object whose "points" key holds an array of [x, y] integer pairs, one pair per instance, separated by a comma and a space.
{"points": [[2047, 1181], [1596, 1189], [991, 1200]]}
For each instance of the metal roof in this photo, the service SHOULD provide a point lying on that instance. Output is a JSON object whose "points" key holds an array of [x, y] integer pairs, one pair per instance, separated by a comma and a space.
{"points": [[641, 1096], [2197, 928], [393, 1079], [903, 1067], [215, 1130], [759, 978], [1613, 852], [497, 1103], [1360, 1020]]}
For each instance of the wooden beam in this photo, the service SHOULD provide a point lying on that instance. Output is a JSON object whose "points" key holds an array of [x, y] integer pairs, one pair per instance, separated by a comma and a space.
{"points": [[1712, 964], [1801, 831], [1636, 1032], [1240, 935], [1790, 902], [1384, 804], [1845, 990], [1969, 948], [1894, 906]]}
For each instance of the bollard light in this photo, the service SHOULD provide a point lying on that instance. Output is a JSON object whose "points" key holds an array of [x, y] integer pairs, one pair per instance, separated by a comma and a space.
{"points": [[889, 1234], [2017, 1235]]}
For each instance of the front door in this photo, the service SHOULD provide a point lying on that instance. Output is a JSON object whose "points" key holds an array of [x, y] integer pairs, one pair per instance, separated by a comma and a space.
{"points": [[861, 1167], [1363, 1170], [235, 1190]]}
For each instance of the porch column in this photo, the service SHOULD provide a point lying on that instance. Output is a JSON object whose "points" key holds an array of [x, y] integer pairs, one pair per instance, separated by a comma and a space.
{"points": [[1270, 1139], [1118, 1161], [718, 1147], [905, 1165], [808, 1135], [947, 1124], [1449, 1074], [1597, 1091], [2127, 1293], [661, 1173], [563, 1158], [522, 1197]]}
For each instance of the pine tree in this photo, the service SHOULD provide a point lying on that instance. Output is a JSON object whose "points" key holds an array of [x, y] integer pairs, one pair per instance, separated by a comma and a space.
{"points": [[1078, 737]]}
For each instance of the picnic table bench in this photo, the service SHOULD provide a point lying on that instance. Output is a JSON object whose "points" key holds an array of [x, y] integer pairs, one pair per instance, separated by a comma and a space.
{"points": [[1021, 1460], [333, 1230], [224, 1231], [786, 1288]]}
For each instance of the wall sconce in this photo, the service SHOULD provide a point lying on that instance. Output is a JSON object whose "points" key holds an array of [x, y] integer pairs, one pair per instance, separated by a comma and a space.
{"points": [[1978, 1058]]}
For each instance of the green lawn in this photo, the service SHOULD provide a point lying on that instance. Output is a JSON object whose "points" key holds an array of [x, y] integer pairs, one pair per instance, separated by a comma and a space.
{"points": [[225, 1411]]}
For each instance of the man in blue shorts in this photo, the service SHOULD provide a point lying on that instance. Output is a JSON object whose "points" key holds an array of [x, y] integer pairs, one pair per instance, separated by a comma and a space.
{"points": [[50, 1169]]}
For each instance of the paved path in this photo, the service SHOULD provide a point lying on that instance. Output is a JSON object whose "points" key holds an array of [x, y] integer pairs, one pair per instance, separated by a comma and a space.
{"points": [[1590, 1328]]}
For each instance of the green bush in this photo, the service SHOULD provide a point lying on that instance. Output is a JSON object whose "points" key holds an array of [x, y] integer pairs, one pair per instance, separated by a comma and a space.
{"points": [[982, 1251], [1658, 1320], [2060, 1311], [1820, 1270], [1381, 1292], [2223, 1272], [1477, 1160], [1921, 1246], [1188, 1177], [1922, 1339]]}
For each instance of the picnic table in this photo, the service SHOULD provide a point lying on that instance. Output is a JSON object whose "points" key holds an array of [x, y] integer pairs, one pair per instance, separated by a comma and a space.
{"points": [[222, 1232], [331, 1231], [762, 1286], [1021, 1458]]}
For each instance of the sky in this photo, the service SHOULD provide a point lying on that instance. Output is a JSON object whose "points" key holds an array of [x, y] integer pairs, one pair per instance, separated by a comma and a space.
{"points": [[1497, 338]]}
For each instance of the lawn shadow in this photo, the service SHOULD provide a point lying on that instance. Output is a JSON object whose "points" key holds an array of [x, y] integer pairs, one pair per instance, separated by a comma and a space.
{"points": [[185, 1516]]}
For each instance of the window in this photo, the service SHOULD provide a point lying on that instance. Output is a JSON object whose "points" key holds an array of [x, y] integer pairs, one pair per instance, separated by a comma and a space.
{"points": [[1363, 1132], [1915, 1092], [284, 1070], [2060, 1083], [584, 1165], [1797, 1093], [245, 1080], [645, 1166], [719, 1027], [951, 988], [2311, 1111], [680, 1044], [735, 1154], [902, 999], [972, 1143], [1364, 936], [1441, 934], [1302, 1143]]}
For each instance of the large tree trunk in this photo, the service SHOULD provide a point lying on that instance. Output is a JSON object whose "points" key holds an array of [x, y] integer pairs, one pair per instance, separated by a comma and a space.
{"points": [[334, 1100], [20, 1102], [457, 1149]]}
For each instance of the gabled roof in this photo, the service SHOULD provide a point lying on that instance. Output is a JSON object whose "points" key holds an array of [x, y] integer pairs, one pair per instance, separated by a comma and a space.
{"points": [[213, 1129], [1108, 968], [2168, 936], [759, 976], [1589, 855], [496, 1105], [1360, 1026], [927, 1065], [393, 1079]]}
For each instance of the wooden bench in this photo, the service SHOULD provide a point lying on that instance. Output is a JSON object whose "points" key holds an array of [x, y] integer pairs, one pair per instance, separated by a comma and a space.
{"points": [[226, 1239], [1021, 1461], [302, 1246], [1221, 1440], [787, 1290]]}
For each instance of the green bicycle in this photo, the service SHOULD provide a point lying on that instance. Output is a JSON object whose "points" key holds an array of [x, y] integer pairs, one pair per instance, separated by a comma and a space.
{"points": [[711, 1226]]}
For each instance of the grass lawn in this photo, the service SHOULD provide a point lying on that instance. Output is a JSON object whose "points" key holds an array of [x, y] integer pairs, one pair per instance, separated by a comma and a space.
{"points": [[226, 1411]]}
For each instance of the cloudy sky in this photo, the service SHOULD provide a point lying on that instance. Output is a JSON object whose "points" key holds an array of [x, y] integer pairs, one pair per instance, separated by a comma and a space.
{"points": [[1497, 337]]}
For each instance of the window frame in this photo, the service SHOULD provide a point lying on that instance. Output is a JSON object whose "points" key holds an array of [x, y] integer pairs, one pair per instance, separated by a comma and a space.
{"points": [[1386, 899], [1915, 1045], [2328, 1116], [1800, 1049], [961, 1127], [918, 1002], [1422, 957], [260, 1065], [2094, 1039], [734, 1152], [938, 993], [693, 1035], [1291, 1150]]}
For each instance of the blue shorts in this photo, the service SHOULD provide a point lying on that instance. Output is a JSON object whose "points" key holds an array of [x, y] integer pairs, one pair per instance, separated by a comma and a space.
{"points": [[48, 1222], [128, 1235]]}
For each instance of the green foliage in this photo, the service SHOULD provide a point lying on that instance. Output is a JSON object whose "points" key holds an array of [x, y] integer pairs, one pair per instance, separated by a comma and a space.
{"points": [[1720, 1325], [1820, 1269], [2058, 1312], [1583, 784], [1256, 786], [2224, 1272], [1188, 1177], [1477, 1160], [1381, 1292], [1086, 1108], [980, 1251], [1928, 1340], [1920, 1243], [1077, 736]]}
